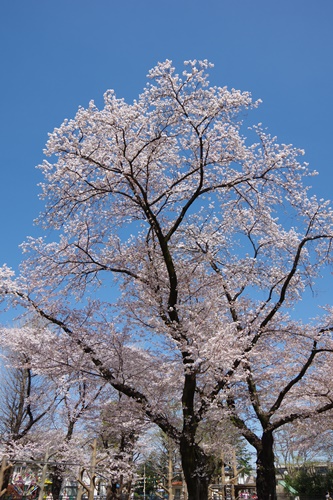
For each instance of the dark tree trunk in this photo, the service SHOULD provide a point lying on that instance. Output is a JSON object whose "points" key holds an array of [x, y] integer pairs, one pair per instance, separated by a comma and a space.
{"points": [[6, 477], [266, 479], [198, 469], [114, 493], [57, 475]]}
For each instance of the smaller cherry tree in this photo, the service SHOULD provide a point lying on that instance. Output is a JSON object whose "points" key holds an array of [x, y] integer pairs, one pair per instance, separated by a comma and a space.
{"points": [[118, 426], [87, 410], [27, 400], [289, 385]]}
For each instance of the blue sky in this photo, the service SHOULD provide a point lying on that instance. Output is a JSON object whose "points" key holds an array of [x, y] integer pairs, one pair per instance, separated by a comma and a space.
{"points": [[59, 54]]}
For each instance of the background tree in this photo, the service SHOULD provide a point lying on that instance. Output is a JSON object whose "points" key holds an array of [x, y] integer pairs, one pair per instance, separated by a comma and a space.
{"points": [[80, 398], [119, 427], [290, 383], [312, 482], [160, 465], [201, 241], [26, 397], [297, 445], [26, 400]]}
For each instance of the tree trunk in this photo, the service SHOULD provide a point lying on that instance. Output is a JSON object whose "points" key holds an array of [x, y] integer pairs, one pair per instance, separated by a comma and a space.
{"points": [[57, 476], [266, 479], [114, 493], [7, 473], [198, 469]]}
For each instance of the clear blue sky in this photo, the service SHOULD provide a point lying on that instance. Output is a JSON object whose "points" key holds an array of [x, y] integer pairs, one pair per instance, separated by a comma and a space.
{"points": [[59, 54]]}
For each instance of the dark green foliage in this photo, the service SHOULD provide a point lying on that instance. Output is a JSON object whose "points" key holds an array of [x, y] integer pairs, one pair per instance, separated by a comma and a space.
{"points": [[148, 481], [312, 482], [244, 459]]}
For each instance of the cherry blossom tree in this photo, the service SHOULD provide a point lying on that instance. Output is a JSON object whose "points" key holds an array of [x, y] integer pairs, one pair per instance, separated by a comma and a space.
{"points": [[80, 397], [118, 426], [290, 383], [300, 443], [26, 401], [23, 401], [89, 410], [169, 228]]}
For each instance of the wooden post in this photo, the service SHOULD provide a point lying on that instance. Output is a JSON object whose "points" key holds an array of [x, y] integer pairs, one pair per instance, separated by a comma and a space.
{"points": [[144, 481], [170, 467], [90, 488], [80, 487], [234, 473], [4, 466], [43, 477], [223, 476]]}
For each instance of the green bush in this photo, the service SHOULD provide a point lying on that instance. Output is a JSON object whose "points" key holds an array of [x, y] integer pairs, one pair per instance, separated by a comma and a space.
{"points": [[311, 482]]}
